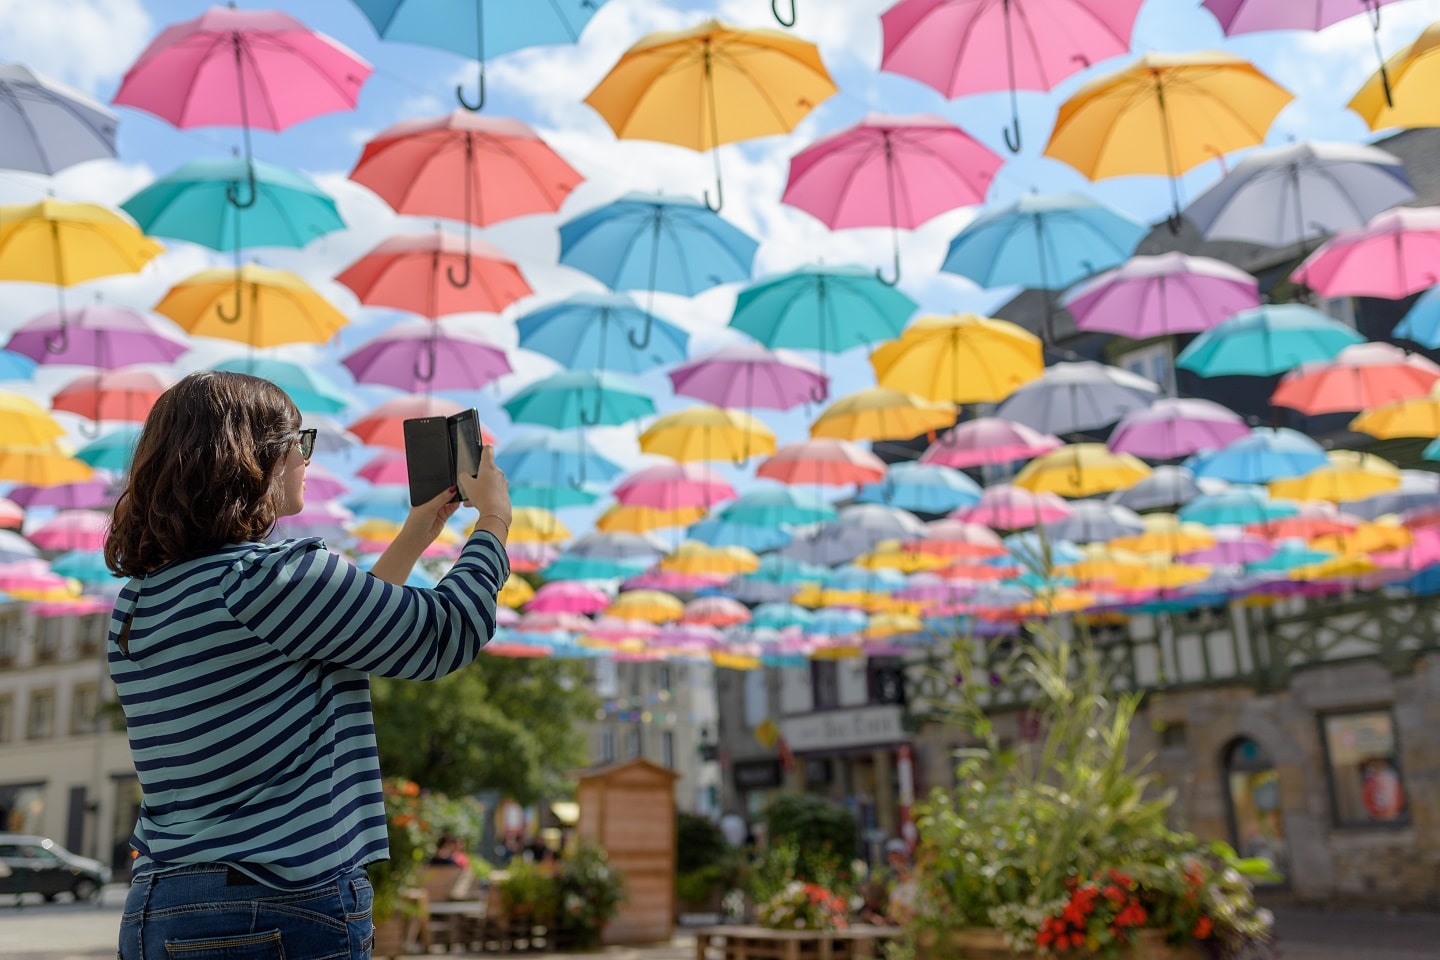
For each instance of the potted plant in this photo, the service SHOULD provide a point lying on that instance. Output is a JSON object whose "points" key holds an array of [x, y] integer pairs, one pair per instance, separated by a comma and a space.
{"points": [[1060, 846], [590, 893]]}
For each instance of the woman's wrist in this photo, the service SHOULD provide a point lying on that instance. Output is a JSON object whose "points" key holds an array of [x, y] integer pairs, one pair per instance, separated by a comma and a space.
{"points": [[495, 525]]}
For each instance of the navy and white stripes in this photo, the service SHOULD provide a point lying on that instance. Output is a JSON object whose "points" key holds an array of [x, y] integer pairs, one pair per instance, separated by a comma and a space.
{"points": [[248, 702]]}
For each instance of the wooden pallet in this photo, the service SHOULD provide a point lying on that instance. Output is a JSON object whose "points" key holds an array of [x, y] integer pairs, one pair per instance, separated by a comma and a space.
{"points": [[759, 943]]}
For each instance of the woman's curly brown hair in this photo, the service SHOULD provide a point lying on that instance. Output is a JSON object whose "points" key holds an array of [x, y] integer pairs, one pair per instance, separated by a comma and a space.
{"points": [[206, 472]]}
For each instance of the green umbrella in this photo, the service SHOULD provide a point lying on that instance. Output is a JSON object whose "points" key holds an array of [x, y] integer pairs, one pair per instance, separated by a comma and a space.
{"points": [[580, 398], [1266, 340], [111, 451], [312, 392]]}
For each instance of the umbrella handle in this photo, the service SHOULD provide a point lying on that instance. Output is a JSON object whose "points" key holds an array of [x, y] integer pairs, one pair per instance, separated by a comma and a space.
{"points": [[890, 281], [425, 376], [232, 191], [589, 419], [478, 105], [464, 278], [86, 426], [1372, 13], [719, 197], [220, 307], [644, 340], [61, 342], [820, 393], [1173, 223], [1013, 142], [775, 9]]}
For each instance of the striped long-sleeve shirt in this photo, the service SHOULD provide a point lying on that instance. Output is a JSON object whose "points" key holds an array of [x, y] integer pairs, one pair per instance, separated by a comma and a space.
{"points": [[247, 698]]}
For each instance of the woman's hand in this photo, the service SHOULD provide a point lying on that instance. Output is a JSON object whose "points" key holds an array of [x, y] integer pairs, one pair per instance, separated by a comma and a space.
{"points": [[489, 492], [425, 522]]}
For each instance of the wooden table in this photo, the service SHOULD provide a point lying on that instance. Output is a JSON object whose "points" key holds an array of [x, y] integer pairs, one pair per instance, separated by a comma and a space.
{"points": [[759, 943]]}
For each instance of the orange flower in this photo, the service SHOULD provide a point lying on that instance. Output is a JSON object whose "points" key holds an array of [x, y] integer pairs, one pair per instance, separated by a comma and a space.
{"points": [[1203, 928]]}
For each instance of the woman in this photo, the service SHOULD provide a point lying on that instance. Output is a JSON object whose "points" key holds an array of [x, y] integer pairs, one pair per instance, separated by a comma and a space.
{"points": [[242, 669]]}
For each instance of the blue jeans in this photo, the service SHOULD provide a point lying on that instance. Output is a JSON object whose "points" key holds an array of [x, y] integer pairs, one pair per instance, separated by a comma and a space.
{"points": [[206, 912]]}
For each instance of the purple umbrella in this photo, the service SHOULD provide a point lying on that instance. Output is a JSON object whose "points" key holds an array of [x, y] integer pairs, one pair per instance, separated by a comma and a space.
{"points": [[1168, 429], [98, 336], [1157, 296], [988, 440], [98, 491], [420, 356], [1255, 16], [1232, 545], [749, 376], [321, 484]]}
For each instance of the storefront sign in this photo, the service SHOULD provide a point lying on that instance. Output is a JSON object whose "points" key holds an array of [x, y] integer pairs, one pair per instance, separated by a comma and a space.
{"points": [[757, 775], [840, 729]]}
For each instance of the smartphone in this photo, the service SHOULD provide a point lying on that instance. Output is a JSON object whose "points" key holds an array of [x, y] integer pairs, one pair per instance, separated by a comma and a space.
{"points": [[429, 458], [465, 441]]}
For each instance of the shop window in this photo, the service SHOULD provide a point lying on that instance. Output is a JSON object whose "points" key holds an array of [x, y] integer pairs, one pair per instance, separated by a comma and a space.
{"points": [[9, 638], [1363, 761], [825, 679], [94, 629], [1253, 788], [41, 719]]}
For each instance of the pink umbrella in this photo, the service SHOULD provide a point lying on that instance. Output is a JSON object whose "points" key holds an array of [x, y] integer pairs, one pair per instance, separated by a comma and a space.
{"points": [[1423, 551], [98, 491], [114, 395], [567, 596], [1169, 428], [896, 172], [530, 557], [674, 486], [78, 607], [534, 622], [322, 519], [1394, 255], [715, 612], [1008, 507], [98, 336], [405, 272], [11, 514], [672, 582], [1360, 377], [384, 426], [73, 530], [748, 375], [956, 46], [985, 440], [835, 463], [321, 484], [955, 538], [616, 630], [1157, 296], [421, 355], [386, 468]]}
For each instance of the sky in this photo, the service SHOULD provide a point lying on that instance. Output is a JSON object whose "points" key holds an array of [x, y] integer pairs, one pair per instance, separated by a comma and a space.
{"points": [[91, 43]]}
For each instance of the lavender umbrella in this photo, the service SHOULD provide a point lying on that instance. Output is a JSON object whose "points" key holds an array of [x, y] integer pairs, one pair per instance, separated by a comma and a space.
{"points": [[1166, 488], [1169, 429], [1256, 16], [1092, 521], [98, 336], [98, 491], [748, 376], [1157, 296], [421, 355], [988, 440], [1232, 546], [1075, 397]]}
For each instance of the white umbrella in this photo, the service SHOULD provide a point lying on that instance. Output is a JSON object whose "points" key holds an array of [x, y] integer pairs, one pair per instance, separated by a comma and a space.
{"points": [[1076, 397]]}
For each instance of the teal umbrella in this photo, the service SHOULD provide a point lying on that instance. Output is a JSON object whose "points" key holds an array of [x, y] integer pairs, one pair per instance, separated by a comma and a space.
{"points": [[87, 566], [778, 616], [549, 497], [1290, 554], [580, 398], [312, 392], [777, 506], [1266, 340], [192, 204], [1236, 507], [112, 451]]}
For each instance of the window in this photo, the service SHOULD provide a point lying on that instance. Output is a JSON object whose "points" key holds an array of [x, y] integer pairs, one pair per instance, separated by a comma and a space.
{"points": [[607, 679], [47, 638], [94, 629], [632, 743], [825, 678], [886, 680], [85, 708], [7, 717], [757, 698], [662, 676], [667, 749], [1339, 308], [1256, 820], [41, 723], [1366, 785], [1152, 363], [607, 745], [9, 637]]}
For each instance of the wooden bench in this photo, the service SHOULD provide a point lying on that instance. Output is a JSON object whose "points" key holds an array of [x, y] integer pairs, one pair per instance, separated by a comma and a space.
{"points": [[759, 943]]}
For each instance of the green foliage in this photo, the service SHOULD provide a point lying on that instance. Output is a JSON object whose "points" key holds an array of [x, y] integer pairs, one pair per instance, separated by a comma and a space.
{"points": [[590, 893], [528, 889], [823, 833], [411, 837], [513, 726], [698, 843], [786, 861]]}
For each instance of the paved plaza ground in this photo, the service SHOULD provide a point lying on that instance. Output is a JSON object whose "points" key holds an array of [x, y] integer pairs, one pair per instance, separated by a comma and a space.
{"points": [[38, 931]]}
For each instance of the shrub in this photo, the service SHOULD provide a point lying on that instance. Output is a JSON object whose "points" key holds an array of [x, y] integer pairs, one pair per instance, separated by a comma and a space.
{"points": [[823, 833]]}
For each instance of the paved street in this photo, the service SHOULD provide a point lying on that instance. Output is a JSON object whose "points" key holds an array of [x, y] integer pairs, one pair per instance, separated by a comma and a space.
{"points": [[87, 932]]}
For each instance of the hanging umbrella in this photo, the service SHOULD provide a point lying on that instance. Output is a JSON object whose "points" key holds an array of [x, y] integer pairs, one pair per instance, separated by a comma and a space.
{"points": [[1399, 93], [98, 336], [857, 530], [24, 423], [384, 426], [68, 243], [47, 126], [38, 466], [1158, 296], [707, 433], [77, 491], [701, 558], [1361, 377], [1283, 196], [1171, 428], [16, 366], [554, 460], [1167, 535], [326, 520], [253, 305], [623, 518], [1231, 547], [253, 69], [1265, 341], [719, 531], [711, 85], [333, 437], [1422, 321], [648, 606], [568, 597], [1093, 521], [956, 540], [1166, 488], [1392, 256], [73, 530], [111, 450], [961, 358], [311, 390], [1081, 470], [1418, 489], [773, 506], [1264, 454], [987, 440], [1349, 475], [1004, 506], [955, 47], [87, 566], [321, 485], [672, 486], [424, 355], [596, 331], [1239, 506], [1165, 114], [1076, 397], [827, 462], [922, 488], [563, 400], [124, 395], [896, 172], [477, 29], [404, 272], [750, 377], [878, 413], [1414, 417]]}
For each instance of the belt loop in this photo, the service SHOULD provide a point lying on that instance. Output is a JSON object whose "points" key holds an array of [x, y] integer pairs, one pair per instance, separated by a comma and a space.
{"points": [[149, 882]]}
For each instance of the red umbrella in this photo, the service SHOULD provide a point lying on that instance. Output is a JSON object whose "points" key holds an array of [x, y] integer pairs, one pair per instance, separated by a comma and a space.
{"points": [[404, 273], [124, 395], [1360, 377], [384, 426], [835, 463]]}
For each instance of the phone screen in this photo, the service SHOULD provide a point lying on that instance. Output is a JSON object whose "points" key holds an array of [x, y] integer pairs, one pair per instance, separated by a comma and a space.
{"points": [[428, 458], [465, 436]]}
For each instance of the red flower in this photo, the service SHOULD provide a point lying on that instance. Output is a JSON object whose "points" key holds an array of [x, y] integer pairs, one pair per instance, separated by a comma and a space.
{"points": [[1114, 894], [1077, 940], [1123, 879], [1203, 928], [1074, 914], [1043, 938]]}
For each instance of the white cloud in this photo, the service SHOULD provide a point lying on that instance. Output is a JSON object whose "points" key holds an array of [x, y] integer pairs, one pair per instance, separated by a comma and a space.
{"points": [[89, 43]]}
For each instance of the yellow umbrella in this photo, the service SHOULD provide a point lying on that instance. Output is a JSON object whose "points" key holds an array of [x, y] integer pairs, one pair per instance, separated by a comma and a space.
{"points": [[1082, 470], [619, 518], [1061, 601], [1164, 114], [24, 423], [734, 661], [1334, 569], [892, 555], [710, 85], [41, 466], [651, 606], [64, 244], [879, 413], [255, 305], [708, 433], [1350, 475], [963, 358], [1413, 74], [515, 592], [1133, 571], [701, 558], [1416, 417], [884, 625], [536, 525], [1387, 533], [1166, 535]]}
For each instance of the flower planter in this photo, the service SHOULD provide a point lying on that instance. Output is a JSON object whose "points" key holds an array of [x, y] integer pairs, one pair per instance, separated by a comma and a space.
{"points": [[390, 937], [985, 943], [759, 943]]}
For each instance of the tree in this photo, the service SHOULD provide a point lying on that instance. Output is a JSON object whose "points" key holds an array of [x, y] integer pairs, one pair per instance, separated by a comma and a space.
{"points": [[509, 725]]}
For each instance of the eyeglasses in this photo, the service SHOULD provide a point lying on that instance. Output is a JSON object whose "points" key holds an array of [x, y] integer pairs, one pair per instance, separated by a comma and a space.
{"points": [[307, 443]]}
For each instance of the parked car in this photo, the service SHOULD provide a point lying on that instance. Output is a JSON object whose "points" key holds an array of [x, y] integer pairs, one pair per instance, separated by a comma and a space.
{"points": [[40, 865]]}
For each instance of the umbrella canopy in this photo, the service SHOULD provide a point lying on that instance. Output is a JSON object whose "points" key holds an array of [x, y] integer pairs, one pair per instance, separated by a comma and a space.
{"points": [[1265, 341], [1004, 506], [956, 539], [1076, 397], [922, 488], [1166, 534], [776, 507], [1166, 488], [647, 606], [1415, 417], [1349, 475], [38, 466], [64, 244], [1158, 296], [1094, 521], [312, 391], [577, 398], [987, 440], [1418, 489], [1398, 94], [1422, 321], [254, 305], [1264, 454], [625, 518], [1255, 16], [565, 596], [749, 376], [384, 426], [962, 358], [1282, 196], [672, 486], [46, 126], [1238, 506], [98, 336], [1171, 428], [1358, 378], [124, 395], [828, 462], [857, 530], [824, 308], [423, 355], [878, 413], [701, 558], [707, 433], [25, 423], [111, 450], [720, 531], [1081, 470], [73, 530], [554, 460], [1392, 256], [412, 272], [597, 331]]}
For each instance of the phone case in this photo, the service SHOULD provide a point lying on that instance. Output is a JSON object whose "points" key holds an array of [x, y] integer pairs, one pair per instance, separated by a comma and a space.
{"points": [[429, 458]]}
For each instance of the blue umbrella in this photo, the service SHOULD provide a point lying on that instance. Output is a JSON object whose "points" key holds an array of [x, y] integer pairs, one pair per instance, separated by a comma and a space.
{"points": [[553, 498], [1266, 340], [1290, 554], [193, 204], [1425, 583], [45, 127], [586, 568], [590, 332], [479, 30], [837, 622], [829, 309], [382, 503], [657, 244], [87, 566], [1432, 450], [1236, 507], [718, 531], [112, 450], [1046, 242], [1265, 454], [851, 579], [561, 400], [776, 506], [16, 366], [922, 487], [312, 391], [1035, 553], [778, 616], [778, 569], [1422, 322], [553, 460]]}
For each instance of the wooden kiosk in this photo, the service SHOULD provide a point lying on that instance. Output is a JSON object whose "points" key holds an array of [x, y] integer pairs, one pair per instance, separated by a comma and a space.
{"points": [[629, 809]]}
